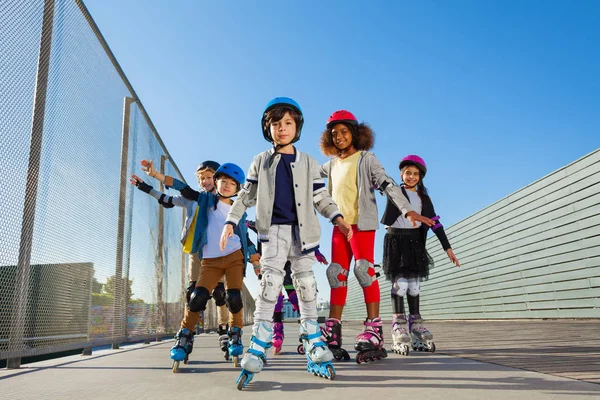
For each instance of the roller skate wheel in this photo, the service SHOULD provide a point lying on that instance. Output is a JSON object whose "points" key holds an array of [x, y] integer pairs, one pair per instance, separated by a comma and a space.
{"points": [[432, 347], [236, 361], [330, 372], [300, 349], [242, 381], [226, 355], [405, 350], [175, 367], [338, 357]]}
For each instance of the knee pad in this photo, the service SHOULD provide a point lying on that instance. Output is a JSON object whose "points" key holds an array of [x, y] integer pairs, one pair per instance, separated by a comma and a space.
{"points": [[234, 301], [306, 286], [361, 271], [270, 285], [333, 272], [219, 294], [399, 287], [414, 287], [198, 299], [190, 290]]}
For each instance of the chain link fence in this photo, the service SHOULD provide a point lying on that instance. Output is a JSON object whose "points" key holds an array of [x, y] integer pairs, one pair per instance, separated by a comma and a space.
{"points": [[85, 259]]}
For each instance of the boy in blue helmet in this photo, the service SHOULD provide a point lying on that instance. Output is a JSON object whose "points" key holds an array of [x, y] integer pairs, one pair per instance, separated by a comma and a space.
{"points": [[286, 187], [205, 175], [229, 262]]}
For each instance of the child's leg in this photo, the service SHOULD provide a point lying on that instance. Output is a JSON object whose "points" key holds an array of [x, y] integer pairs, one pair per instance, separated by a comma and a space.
{"points": [[211, 272], [278, 334], [193, 267], [363, 248], [400, 336], [415, 321], [337, 272], [234, 274], [190, 319], [292, 296], [185, 336], [218, 296], [273, 258], [306, 288]]}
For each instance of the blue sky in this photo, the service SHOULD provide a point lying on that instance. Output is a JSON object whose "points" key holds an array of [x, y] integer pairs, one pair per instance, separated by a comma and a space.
{"points": [[493, 95]]}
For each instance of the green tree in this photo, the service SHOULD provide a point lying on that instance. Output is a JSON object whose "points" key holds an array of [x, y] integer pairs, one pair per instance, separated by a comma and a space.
{"points": [[109, 287], [97, 286]]}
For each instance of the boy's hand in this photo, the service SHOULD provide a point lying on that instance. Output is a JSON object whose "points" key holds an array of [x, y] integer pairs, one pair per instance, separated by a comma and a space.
{"points": [[257, 270], [148, 167], [254, 259], [452, 257], [227, 233], [140, 184], [135, 180], [345, 227], [413, 217]]}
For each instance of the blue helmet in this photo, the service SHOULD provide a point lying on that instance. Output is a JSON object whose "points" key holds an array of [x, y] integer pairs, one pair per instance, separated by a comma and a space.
{"points": [[285, 102], [232, 171]]}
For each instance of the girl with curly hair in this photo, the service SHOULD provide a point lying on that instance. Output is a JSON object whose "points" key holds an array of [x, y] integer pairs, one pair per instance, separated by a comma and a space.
{"points": [[353, 171]]}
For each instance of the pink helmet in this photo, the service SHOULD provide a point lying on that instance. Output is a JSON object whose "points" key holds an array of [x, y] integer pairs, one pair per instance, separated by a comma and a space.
{"points": [[415, 160]]}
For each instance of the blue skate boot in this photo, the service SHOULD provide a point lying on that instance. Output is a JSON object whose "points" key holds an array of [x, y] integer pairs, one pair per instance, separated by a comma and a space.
{"points": [[235, 347], [182, 348], [255, 358], [318, 355]]}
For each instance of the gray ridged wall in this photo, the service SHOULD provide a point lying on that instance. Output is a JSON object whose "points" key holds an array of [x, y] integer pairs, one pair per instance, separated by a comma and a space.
{"points": [[533, 254]]}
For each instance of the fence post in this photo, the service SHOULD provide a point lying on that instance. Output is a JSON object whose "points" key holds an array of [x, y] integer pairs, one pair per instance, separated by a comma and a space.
{"points": [[162, 315], [121, 288], [19, 309]]}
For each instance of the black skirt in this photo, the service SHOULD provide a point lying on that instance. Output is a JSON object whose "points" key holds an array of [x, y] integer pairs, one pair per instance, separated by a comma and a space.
{"points": [[404, 255]]}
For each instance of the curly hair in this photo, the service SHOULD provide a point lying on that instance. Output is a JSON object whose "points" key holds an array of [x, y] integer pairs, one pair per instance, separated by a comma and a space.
{"points": [[363, 138]]}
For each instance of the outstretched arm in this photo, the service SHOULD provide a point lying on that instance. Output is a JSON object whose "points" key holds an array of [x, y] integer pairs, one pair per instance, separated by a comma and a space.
{"points": [[163, 199]]}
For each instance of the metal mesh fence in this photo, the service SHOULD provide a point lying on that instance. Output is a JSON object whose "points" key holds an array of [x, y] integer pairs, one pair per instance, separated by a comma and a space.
{"points": [[85, 258]]}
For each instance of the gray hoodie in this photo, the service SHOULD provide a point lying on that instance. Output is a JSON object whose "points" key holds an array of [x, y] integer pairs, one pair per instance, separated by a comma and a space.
{"points": [[309, 191]]}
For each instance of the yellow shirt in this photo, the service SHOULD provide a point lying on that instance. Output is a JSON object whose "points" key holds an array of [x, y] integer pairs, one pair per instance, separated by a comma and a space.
{"points": [[344, 184], [189, 240]]}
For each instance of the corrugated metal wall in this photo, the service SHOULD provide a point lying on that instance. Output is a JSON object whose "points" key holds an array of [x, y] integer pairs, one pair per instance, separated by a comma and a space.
{"points": [[533, 254]]}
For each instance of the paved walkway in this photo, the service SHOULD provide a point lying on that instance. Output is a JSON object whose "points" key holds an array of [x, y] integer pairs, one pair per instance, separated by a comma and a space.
{"points": [[144, 371]]}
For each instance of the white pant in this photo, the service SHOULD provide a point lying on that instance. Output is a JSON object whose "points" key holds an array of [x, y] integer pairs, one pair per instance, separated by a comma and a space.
{"points": [[283, 245]]}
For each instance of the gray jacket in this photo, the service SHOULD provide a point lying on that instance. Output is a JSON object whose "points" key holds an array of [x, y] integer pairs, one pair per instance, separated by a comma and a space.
{"points": [[309, 193], [178, 201], [371, 176]]}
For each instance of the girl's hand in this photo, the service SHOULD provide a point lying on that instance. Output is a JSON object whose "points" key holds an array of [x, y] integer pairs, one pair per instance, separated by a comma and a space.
{"points": [[320, 257], [148, 167], [413, 217], [452, 257], [257, 270], [345, 227], [225, 235]]}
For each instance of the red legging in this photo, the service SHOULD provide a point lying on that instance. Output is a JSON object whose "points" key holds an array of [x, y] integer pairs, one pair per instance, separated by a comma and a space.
{"points": [[362, 247]]}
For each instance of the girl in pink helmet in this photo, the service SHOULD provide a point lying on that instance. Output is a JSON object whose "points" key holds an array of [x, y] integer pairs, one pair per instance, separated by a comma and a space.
{"points": [[405, 258], [352, 173]]}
